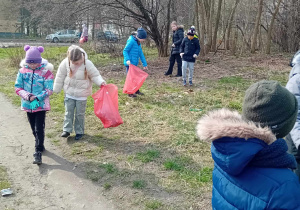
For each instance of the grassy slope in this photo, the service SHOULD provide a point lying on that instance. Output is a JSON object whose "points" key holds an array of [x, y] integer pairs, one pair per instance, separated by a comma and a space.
{"points": [[154, 160]]}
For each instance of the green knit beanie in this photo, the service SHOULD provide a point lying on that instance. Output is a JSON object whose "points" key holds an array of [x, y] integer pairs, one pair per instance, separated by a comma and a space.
{"points": [[269, 104]]}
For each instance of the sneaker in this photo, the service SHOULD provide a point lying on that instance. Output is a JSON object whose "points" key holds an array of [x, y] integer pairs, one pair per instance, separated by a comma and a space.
{"points": [[78, 136], [167, 74], [132, 95], [139, 93], [65, 134], [37, 158], [184, 83], [191, 83]]}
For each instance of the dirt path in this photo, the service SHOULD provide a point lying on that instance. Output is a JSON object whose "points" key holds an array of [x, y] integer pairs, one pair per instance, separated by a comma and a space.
{"points": [[56, 184]]}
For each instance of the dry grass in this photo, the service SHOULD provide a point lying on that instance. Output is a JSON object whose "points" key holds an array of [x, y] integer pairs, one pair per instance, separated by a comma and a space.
{"points": [[154, 160]]}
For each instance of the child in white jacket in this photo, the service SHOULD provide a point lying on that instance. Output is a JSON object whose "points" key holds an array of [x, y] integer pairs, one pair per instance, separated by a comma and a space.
{"points": [[75, 75]]}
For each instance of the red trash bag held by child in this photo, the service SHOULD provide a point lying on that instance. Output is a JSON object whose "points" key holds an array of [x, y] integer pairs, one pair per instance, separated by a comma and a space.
{"points": [[134, 79], [81, 40], [106, 106]]}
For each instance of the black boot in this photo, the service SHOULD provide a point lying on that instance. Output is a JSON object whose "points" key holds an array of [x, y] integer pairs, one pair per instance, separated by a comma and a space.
{"points": [[37, 158], [139, 93], [65, 134]]}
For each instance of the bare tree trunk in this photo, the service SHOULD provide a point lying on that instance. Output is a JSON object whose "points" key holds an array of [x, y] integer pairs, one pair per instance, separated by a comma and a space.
{"points": [[214, 41], [230, 24], [202, 29], [257, 24], [271, 27]]}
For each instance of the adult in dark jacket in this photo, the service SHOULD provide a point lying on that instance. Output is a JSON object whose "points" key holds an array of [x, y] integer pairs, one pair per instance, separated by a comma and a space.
{"points": [[252, 167], [189, 51], [178, 35], [293, 139]]}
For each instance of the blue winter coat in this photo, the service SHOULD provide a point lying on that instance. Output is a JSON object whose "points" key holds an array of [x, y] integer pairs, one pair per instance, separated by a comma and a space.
{"points": [[189, 48], [133, 52], [251, 166]]}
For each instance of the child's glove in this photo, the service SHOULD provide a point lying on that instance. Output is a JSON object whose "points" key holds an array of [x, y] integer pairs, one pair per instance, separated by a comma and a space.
{"points": [[128, 63], [195, 56], [34, 104], [173, 45], [181, 54]]}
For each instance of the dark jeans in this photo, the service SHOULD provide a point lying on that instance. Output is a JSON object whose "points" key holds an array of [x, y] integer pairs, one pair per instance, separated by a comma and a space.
{"points": [[172, 62], [294, 151], [37, 123]]}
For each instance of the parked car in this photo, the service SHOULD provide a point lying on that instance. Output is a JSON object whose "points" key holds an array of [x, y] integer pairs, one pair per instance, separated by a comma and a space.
{"points": [[63, 36], [107, 35]]}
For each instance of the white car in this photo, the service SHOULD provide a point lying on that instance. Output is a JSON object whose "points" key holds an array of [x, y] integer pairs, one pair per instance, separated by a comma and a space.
{"points": [[63, 36]]}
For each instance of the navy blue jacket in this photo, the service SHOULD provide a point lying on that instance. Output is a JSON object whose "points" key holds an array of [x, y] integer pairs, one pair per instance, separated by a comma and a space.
{"points": [[252, 167], [189, 48], [178, 36]]}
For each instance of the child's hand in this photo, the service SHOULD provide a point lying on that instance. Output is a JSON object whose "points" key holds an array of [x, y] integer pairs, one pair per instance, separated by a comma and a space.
{"points": [[181, 54], [32, 98], [173, 45], [145, 68], [195, 56], [128, 63], [103, 83]]}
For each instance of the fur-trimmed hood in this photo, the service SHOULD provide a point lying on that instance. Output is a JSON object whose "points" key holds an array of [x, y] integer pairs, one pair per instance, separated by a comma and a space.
{"points": [[236, 143], [225, 123], [48, 66]]}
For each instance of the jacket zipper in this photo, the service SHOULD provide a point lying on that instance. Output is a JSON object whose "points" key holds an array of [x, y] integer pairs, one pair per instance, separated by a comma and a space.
{"points": [[32, 84]]}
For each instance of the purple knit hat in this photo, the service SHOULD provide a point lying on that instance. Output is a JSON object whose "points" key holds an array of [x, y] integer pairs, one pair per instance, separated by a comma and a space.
{"points": [[33, 54]]}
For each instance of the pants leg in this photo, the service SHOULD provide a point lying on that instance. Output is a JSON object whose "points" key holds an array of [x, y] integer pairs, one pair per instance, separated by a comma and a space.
{"points": [[191, 70], [294, 151], [37, 123], [127, 68], [184, 67], [31, 120], [179, 64], [79, 117], [69, 114], [171, 65]]}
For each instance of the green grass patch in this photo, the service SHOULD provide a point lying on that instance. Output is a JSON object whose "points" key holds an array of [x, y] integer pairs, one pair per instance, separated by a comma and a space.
{"points": [[109, 168], [4, 182], [153, 204], [139, 184], [107, 186], [148, 156]]}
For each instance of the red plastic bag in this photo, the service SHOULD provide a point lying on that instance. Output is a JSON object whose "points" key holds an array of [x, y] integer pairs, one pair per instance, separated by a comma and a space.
{"points": [[81, 40], [106, 106], [134, 79]]}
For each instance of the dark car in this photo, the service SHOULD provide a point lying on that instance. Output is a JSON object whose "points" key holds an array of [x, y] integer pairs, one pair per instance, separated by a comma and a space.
{"points": [[108, 36]]}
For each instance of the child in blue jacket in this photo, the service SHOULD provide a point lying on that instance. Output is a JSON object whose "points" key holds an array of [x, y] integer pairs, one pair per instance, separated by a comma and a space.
{"points": [[252, 168], [133, 52]]}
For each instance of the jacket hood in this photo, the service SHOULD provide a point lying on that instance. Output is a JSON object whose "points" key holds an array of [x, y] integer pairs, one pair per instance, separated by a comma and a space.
{"points": [[48, 66], [180, 27], [295, 70], [235, 142]]}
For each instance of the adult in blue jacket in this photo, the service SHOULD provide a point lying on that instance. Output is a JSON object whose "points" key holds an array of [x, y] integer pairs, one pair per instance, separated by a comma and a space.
{"points": [[293, 139], [133, 52], [252, 167]]}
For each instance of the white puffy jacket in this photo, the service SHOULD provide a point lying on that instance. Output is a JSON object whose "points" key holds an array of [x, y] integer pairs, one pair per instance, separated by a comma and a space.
{"points": [[77, 85]]}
